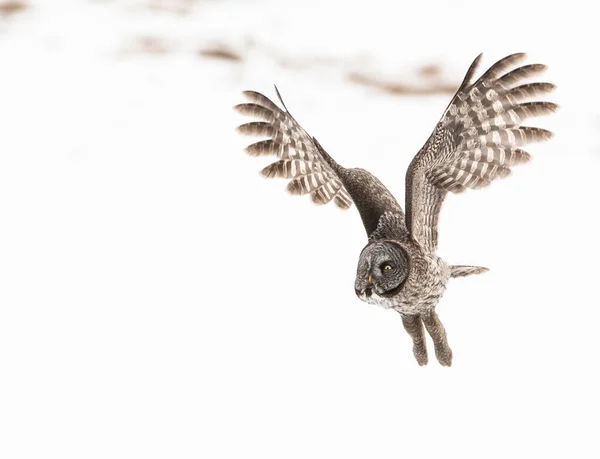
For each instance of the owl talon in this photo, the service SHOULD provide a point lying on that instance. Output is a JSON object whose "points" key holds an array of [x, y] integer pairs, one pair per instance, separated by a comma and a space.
{"points": [[420, 353], [444, 355]]}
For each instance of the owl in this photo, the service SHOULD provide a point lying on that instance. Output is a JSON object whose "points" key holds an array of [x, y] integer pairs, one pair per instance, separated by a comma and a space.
{"points": [[477, 140]]}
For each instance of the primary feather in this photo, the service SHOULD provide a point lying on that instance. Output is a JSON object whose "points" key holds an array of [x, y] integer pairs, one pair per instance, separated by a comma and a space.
{"points": [[476, 141], [300, 158]]}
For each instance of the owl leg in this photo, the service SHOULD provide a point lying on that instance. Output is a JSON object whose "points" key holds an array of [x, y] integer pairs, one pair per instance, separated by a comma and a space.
{"points": [[414, 326], [438, 333]]}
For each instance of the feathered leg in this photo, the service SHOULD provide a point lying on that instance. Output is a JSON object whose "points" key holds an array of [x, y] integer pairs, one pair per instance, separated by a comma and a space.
{"points": [[438, 334], [414, 326]]}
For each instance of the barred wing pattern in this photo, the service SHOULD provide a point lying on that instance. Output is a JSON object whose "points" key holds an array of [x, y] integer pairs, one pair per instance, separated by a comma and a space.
{"points": [[301, 158], [476, 141]]}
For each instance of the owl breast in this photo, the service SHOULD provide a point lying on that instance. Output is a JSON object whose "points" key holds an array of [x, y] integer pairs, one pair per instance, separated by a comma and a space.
{"points": [[424, 287]]}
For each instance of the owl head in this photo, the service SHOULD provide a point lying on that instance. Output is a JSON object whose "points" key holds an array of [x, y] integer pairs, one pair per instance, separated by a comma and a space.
{"points": [[382, 269]]}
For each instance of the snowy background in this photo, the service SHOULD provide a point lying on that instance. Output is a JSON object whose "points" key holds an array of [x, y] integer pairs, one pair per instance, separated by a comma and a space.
{"points": [[159, 300]]}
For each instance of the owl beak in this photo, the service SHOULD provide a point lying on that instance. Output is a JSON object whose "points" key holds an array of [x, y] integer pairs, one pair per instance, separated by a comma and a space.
{"points": [[363, 290]]}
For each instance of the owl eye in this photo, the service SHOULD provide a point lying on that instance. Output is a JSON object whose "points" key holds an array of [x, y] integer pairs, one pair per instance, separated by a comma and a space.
{"points": [[387, 267]]}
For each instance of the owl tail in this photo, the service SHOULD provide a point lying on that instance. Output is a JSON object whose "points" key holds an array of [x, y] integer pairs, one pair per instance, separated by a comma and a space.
{"points": [[463, 271]]}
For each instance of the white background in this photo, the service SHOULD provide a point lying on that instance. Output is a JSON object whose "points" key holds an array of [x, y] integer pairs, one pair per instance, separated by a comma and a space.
{"points": [[159, 300]]}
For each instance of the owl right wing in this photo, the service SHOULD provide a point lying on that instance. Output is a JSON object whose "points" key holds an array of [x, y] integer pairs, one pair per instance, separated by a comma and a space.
{"points": [[477, 140], [309, 167]]}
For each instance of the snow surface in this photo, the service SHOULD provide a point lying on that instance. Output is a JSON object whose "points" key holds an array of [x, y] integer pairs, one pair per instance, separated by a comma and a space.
{"points": [[159, 300]]}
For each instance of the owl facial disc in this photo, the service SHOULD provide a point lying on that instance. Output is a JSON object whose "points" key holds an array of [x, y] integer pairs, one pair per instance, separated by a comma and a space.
{"points": [[382, 269]]}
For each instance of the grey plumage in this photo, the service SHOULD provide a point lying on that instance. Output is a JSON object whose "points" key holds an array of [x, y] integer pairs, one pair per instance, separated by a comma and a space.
{"points": [[299, 157], [477, 140]]}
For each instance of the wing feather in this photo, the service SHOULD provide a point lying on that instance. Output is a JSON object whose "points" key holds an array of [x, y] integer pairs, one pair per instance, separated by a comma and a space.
{"points": [[476, 141], [308, 167], [300, 158]]}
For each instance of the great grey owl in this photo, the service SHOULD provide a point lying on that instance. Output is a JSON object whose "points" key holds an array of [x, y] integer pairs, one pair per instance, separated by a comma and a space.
{"points": [[476, 141]]}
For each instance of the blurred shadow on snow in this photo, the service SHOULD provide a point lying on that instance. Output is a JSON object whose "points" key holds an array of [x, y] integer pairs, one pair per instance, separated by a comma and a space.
{"points": [[360, 69], [427, 81], [182, 7], [147, 45], [221, 52], [11, 7]]}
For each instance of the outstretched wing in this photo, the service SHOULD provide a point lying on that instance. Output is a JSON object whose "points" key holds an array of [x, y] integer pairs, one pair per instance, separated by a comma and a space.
{"points": [[477, 140], [300, 158], [310, 168]]}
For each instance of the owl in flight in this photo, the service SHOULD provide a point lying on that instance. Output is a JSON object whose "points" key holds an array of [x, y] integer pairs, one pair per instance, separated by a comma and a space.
{"points": [[477, 140]]}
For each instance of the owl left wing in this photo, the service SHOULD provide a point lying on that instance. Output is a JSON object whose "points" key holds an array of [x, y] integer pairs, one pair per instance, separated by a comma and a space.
{"points": [[301, 158], [476, 141], [310, 168]]}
